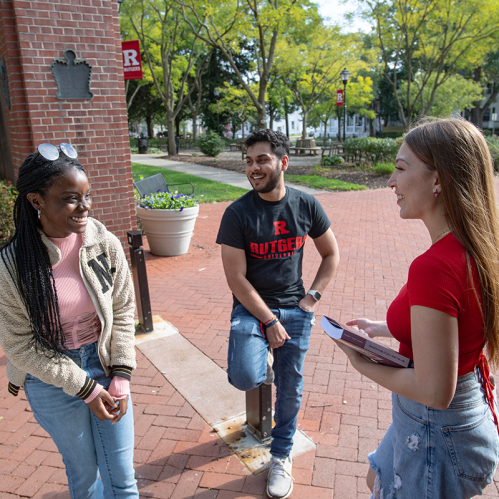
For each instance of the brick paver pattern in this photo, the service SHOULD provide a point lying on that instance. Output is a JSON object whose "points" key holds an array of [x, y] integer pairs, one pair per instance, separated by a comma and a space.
{"points": [[176, 454]]}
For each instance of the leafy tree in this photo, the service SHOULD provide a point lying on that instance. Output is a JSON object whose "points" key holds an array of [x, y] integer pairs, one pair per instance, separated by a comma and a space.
{"points": [[217, 73], [455, 94], [488, 75], [359, 99], [236, 102], [172, 51], [310, 67], [226, 26], [431, 40], [145, 104]]}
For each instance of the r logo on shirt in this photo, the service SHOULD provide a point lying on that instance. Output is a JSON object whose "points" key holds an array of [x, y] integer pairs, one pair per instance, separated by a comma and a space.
{"points": [[279, 228]]}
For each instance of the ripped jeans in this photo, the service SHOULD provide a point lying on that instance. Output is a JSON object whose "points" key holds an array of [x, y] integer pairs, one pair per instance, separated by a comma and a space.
{"points": [[433, 454], [247, 366]]}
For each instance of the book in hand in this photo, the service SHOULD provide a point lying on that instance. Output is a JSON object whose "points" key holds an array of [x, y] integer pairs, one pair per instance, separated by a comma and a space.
{"points": [[372, 349]]}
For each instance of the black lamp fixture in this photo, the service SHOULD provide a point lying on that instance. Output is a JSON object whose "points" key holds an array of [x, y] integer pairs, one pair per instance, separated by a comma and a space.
{"points": [[345, 74]]}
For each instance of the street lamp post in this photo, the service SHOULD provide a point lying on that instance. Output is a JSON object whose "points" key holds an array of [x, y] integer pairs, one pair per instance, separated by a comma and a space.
{"points": [[217, 94], [345, 74]]}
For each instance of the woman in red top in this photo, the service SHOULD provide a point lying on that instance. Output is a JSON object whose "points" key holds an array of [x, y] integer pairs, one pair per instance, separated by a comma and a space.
{"points": [[443, 442]]}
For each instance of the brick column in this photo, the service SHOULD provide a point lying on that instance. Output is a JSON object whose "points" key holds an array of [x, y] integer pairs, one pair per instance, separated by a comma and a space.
{"points": [[32, 35]]}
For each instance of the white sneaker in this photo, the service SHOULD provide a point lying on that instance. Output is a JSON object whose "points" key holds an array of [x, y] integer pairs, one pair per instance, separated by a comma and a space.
{"points": [[280, 481], [270, 370]]}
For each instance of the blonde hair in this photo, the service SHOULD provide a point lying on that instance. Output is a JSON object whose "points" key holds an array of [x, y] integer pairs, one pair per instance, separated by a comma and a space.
{"points": [[457, 150]]}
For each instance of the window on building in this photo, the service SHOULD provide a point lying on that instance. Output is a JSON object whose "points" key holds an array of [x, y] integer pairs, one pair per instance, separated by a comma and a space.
{"points": [[293, 125]]}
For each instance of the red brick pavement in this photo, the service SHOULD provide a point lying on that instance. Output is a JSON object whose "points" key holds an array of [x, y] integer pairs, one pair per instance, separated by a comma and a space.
{"points": [[176, 454]]}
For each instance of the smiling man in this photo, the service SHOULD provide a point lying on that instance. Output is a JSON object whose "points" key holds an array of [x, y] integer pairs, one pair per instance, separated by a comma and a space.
{"points": [[262, 235]]}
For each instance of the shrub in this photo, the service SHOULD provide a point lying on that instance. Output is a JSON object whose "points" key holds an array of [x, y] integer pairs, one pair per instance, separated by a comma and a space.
{"points": [[332, 160], [384, 168], [8, 196], [211, 144], [371, 149]]}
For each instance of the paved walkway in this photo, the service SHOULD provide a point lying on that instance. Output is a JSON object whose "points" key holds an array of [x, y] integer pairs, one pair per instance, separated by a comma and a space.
{"points": [[177, 455], [217, 174]]}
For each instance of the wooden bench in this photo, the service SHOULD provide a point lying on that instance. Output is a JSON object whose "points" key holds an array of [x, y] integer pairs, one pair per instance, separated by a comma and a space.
{"points": [[238, 146], [335, 149], [313, 150], [156, 183]]}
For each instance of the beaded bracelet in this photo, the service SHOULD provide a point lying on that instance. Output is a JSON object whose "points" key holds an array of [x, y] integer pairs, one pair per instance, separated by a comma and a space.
{"points": [[272, 321]]}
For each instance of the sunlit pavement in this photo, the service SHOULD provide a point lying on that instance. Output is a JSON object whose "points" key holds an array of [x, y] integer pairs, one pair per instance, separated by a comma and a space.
{"points": [[176, 453]]}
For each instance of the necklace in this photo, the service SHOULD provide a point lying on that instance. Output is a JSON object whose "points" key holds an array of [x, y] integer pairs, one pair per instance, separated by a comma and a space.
{"points": [[442, 234]]}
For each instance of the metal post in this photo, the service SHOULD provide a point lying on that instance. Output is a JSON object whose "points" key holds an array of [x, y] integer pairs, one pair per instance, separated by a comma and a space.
{"points": [[139, 276], [344, 110], [259, 411]]}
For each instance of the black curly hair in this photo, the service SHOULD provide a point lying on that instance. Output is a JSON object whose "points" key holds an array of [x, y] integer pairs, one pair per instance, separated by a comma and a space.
{"points": [[279, 143], [27, 258]]}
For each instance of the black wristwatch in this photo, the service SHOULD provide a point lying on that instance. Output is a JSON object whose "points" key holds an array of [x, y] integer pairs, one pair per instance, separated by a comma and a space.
{"points": [[315, 294]]}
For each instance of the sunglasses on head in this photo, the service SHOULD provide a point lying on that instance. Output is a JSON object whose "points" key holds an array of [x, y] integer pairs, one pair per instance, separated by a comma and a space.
{"points": [[50, 152]]}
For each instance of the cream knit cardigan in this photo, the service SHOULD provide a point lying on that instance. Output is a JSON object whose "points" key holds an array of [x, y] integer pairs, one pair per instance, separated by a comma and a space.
{"points": [[105, 272]]}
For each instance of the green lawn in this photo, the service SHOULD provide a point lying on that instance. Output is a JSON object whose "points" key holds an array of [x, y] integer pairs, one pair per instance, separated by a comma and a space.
{"points": [[205, 191], [318, 182], [208, 191]]}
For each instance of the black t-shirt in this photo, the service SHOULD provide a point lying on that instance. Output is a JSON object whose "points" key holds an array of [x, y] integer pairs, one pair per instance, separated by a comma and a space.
{"points": [[272, 234]]}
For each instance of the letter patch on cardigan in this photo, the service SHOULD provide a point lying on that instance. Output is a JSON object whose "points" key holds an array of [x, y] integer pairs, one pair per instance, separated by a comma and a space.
{"points": [[102, 272]]}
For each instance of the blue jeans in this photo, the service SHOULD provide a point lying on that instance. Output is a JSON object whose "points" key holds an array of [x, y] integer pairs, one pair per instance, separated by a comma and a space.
{"points": [[89, 447], [433, 454], [247, 366]]}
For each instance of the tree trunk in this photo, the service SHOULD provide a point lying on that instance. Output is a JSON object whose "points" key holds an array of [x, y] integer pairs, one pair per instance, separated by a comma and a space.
{"points": [[339, 127], [371, 128], [177, 126], [194, 127], [287, 120], [172, 148], [150, 132], [304, 131], [233, 128], [325, 131]]}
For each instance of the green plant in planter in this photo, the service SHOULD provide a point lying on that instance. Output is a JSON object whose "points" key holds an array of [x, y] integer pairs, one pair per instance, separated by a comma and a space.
{"points": [[8, 195], [211, 144], [167, 201]]}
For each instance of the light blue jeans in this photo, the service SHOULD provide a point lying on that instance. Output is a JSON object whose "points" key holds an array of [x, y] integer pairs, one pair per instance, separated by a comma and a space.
{"points": [[432, 454], [247, 366], [89, 447]]}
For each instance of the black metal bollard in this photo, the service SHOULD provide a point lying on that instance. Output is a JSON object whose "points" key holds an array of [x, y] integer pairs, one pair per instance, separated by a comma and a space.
{"points": [[139, 275], [259, 411]]}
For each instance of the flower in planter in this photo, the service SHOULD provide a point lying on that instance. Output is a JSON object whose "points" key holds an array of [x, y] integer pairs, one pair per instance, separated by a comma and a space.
{"points": [[163, 200]]}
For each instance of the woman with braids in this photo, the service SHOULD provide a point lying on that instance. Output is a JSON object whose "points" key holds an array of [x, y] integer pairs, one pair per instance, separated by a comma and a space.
{"points": [[443, 442], [67, 324]]}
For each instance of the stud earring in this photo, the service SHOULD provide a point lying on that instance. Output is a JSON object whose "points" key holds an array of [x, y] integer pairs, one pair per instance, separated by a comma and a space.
{"points": [[39, 214], [436, 193]]}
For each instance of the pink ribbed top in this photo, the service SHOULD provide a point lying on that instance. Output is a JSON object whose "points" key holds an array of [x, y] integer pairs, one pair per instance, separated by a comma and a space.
{"points": [[80, 323]]}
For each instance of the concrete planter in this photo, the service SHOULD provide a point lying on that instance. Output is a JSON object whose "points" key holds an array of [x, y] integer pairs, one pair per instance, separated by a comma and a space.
{"points": [[168, 232]]}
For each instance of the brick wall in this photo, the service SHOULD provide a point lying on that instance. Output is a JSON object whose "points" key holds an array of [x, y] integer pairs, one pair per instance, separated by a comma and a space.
{"points": [[32, 35]]}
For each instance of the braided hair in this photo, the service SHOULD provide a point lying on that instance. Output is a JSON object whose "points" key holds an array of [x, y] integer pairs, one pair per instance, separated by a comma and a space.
{"points": [[26, 256]]}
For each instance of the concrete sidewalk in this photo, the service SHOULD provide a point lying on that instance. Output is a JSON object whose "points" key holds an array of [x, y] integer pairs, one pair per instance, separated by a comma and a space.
{"points": [[177, 454], [217, 174]]}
